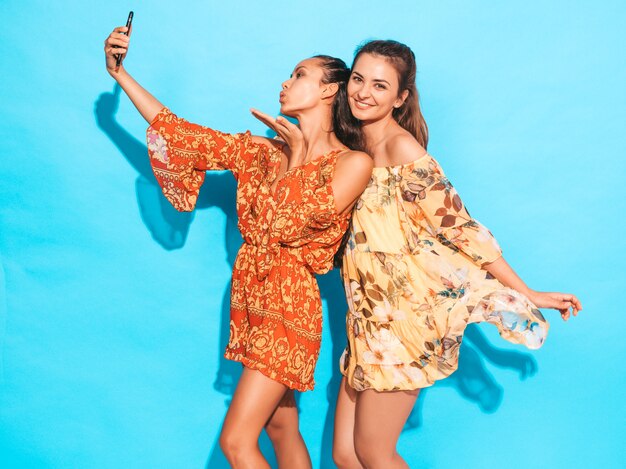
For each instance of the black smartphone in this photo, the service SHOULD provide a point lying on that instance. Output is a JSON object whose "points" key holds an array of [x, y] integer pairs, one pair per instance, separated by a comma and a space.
{"points": [[129, 21]]}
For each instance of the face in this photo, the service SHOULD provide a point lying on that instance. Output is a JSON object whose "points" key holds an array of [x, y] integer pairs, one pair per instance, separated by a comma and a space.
{"points": [[373, 88], [304, 89]]}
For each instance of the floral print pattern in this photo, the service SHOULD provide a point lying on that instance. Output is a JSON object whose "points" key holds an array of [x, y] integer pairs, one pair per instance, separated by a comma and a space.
{"points": [[289, 235], [413, 280]]}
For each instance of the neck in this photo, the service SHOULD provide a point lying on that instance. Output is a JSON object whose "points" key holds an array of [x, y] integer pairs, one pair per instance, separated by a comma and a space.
{"points": [[376, 131], [315, 125]]}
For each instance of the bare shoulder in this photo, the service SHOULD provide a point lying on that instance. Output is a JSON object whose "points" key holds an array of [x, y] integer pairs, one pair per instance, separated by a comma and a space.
{"points": [[354, 162], [403, 148], [352, 173]]}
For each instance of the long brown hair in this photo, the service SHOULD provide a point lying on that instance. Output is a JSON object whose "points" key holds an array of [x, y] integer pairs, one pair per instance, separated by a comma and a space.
{"points": [[409, 115]]}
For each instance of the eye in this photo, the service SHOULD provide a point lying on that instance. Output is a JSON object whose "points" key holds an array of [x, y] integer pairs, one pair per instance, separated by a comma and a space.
{"points": [[380, 86], [357, 79], [298, 74]]}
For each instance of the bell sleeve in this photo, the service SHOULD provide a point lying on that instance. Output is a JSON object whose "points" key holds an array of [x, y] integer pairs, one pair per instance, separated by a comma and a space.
{"points": [[180, 152], [444, 216]]}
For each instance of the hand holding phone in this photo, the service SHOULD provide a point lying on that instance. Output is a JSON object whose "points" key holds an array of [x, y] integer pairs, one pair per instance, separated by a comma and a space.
{"points": [[129, 22]]}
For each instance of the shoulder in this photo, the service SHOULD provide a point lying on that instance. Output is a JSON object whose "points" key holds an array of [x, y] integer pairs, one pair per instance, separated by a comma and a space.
{"points": [[274, 143], [352, 161], [404, 148]]}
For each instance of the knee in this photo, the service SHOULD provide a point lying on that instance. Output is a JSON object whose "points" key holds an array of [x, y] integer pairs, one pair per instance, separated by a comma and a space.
{"points": [[344, 456], [371, 454], [232, 446], [280, 431]]}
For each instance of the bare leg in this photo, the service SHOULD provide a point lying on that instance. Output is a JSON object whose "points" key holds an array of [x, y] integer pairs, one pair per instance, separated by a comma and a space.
{"points": [[380, 417], [254, 401], [344, 453], [282, 428]]}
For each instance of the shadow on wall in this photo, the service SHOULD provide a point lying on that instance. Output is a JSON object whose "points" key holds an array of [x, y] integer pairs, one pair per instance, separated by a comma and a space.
{"points": [[169, 228]]}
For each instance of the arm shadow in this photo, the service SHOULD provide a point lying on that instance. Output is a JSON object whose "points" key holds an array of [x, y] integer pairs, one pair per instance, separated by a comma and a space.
{"points": [[169, 229], [472, 380]]}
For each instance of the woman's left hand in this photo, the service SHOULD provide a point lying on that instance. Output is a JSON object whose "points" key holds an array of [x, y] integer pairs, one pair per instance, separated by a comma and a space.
{"points": [[288, 132], [565, 303]]}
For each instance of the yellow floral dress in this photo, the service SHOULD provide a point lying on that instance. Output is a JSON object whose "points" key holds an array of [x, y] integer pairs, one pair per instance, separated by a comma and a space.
{"points": [[413, 280]]}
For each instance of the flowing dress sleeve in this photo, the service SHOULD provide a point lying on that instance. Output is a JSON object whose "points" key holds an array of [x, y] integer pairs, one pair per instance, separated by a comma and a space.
{"points": [[444, 216], [180, 152]]}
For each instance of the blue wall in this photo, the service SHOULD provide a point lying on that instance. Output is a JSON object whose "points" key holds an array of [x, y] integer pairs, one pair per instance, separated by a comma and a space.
{"points": [[113, 308]]}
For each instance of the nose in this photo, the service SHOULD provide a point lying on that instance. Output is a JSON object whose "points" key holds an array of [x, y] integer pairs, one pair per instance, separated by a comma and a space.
{"points": [[362, 92], [285, 84]]}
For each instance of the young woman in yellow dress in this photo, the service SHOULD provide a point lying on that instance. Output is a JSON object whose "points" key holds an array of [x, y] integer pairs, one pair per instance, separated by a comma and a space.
{"points": [[416, 269]]}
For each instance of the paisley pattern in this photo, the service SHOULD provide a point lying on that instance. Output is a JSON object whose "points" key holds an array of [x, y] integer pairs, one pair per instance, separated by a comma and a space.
{"points": [[289, 235], [413, 279]]}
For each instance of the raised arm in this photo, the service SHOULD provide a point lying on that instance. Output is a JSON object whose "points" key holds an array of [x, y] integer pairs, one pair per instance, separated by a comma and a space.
{"points": [[118, 43]]}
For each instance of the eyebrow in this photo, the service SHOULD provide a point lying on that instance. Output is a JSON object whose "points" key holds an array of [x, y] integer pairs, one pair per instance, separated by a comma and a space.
{"points": [[375, 80], [296, 70]]}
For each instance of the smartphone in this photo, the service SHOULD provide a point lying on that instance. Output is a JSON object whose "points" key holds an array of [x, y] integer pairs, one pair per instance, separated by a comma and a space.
{"points": [[129, 21]]}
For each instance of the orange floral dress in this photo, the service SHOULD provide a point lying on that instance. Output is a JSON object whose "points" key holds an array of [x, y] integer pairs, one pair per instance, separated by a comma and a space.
{"points": [[289, 235]]}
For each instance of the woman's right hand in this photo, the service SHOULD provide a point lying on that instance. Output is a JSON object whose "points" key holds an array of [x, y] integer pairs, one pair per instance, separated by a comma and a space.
{"points": [[563, 302], [289, 133], [114, 45]]}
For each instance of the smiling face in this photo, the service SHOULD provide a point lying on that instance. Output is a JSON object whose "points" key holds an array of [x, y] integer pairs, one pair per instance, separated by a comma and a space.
{"points": [[304, 88], [373, 88]]}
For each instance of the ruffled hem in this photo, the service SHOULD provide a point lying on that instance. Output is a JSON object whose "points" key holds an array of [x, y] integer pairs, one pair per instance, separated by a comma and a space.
{"points": [[267, 371], [394, 356]]}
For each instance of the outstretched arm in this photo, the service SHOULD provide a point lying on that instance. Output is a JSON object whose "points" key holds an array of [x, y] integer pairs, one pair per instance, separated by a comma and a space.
{"points": [[118, 43], [563, 302], [444, 215]]}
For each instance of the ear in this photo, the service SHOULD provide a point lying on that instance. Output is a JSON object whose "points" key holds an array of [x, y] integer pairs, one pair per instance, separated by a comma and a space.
{"points": [[330, 90], [401, 99]]}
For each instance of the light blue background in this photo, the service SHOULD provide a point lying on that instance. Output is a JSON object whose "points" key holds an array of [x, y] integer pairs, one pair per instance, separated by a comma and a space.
{"points": [[114, 308]]}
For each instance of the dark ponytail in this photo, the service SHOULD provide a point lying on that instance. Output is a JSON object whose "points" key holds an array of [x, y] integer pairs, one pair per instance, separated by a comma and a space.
{"points": [[346, 127]]}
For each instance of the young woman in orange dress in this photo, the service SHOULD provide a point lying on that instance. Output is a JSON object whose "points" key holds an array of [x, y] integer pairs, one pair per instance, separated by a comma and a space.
{"points": [[416, 269], [294, 200]]}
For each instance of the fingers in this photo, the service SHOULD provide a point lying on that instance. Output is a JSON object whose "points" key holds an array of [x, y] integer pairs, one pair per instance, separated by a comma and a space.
{"points": [[276, 124], [283, 129], [574, 303], [115, 50], [286, 130], [287, 124], [117, 40], [266, 119]]}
